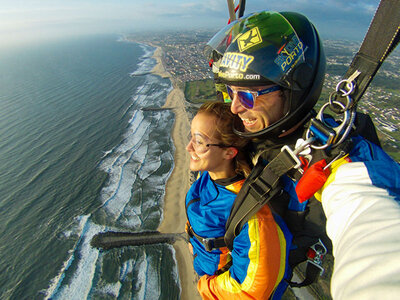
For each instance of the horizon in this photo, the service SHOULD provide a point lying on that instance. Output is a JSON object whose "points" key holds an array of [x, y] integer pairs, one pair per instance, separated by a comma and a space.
{"points": [[31, 21]]}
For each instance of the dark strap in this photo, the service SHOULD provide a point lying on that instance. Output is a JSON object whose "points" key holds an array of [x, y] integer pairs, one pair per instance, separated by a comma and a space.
{"points": [[242, 6], [314, 269], [208, 243], [382, 37], [311, 276], [366, 128], [224, 268], [259, 188]]}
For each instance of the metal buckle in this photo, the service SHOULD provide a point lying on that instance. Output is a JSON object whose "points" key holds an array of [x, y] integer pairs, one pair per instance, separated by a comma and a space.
{"points": [[287, 149], [316, 255], [207, 244]]}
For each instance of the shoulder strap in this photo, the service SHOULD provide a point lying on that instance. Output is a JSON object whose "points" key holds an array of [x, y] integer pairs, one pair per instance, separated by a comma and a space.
{"points": [[259, 188], [381, 39]]}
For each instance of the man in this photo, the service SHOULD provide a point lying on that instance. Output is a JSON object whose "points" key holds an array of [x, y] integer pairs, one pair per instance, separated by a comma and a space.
{"points": [[273, 65]]}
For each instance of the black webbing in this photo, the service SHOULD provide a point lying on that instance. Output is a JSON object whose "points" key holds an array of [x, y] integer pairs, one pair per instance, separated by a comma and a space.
{"points": [[311, 275], [208, 243], [259, 188], [242, 6], [381, 39]]}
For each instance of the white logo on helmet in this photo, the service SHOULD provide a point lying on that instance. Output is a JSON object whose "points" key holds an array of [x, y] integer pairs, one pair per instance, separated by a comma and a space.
{"points": [[236, 61]]}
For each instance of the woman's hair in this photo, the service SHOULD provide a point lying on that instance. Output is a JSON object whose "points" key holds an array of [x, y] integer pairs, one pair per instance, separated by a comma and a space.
{"points": [[225, 134]]}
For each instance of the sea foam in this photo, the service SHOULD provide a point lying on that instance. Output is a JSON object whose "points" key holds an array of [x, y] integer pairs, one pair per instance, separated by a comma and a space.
{"points": [[131, 199]]}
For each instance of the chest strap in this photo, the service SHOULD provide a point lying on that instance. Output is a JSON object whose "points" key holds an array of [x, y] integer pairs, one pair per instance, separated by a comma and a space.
{"points": [[208, 243]]}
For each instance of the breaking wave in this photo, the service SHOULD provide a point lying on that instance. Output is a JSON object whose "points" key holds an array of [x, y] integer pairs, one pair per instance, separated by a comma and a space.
{"points": [[131, 200]]}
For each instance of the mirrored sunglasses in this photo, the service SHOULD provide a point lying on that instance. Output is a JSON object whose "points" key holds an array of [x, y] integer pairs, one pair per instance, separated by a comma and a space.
{"points": [[248, 98]]}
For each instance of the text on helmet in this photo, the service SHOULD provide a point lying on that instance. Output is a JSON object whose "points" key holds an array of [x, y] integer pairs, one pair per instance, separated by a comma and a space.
{"points": [[236, 61], [290, 54]]}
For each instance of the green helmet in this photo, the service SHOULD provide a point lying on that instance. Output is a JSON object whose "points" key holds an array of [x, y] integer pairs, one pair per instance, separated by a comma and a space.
{"points": [[280, 48]]}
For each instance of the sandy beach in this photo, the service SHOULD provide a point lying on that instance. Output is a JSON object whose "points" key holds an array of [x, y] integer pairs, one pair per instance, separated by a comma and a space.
{"points": [[178, 184]]}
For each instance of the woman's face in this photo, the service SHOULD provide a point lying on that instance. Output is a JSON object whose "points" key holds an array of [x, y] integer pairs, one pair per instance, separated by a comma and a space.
{"points": [[214, 159]]}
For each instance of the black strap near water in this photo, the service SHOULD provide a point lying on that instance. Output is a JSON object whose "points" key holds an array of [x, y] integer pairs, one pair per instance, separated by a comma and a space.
{"points": [[381, 39]]}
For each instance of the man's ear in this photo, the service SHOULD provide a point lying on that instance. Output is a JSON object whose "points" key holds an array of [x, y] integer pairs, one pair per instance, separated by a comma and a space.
{"points": [[231, 152]]}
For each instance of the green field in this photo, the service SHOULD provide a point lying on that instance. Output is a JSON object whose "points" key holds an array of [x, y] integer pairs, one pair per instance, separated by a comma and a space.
{"points": [[200, 91]]}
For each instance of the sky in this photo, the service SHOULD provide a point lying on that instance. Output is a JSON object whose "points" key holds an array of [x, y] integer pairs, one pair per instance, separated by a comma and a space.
{"points": [[34, 20]]}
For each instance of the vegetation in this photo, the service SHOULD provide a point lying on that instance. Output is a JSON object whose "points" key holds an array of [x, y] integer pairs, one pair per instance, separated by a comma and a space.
{"points": [[200, 91]]}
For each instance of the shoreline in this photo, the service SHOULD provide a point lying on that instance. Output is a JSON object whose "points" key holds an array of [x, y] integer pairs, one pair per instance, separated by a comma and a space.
{"points": [[178, 184]]}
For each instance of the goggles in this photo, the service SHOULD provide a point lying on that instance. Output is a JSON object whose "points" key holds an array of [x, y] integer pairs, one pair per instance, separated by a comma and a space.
{"points": [[248, 98]]}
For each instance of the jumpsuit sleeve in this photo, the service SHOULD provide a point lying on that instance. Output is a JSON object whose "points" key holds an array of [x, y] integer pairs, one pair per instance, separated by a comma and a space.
{"points": [[363, 222], [258, 262]]}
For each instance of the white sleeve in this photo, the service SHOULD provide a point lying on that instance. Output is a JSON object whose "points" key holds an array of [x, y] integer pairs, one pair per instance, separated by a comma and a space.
{"points": [[363, 222]]}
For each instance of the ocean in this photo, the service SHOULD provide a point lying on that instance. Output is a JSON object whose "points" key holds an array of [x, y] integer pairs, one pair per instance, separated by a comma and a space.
{"points": [[79, 156]]}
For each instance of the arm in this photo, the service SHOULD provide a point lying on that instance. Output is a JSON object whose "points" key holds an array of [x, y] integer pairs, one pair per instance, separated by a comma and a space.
{"points": [[259, 260], [363, 222]]}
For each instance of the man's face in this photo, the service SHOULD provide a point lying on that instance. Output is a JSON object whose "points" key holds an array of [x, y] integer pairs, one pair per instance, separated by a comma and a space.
{"points": [[267, 110]]}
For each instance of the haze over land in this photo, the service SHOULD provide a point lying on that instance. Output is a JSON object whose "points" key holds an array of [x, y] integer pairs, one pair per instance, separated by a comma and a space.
{"points": [[23, 21]]}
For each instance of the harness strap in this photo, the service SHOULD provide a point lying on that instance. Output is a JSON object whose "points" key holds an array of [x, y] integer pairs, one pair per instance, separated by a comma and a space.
{"points": [[242, 6], [224, 268], [382, 37], [311, 276], [208, 243], [314, 267], [259, 188]]}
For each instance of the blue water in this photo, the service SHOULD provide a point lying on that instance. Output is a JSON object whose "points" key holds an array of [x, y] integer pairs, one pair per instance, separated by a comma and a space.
{"points": [[78, 156]]}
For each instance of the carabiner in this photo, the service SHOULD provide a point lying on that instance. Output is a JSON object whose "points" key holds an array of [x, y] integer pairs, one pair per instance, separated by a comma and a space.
{"points": [[325, 134]]}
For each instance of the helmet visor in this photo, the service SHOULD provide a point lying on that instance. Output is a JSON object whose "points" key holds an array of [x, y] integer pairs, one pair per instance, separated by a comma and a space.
{"points": [[260, 46]]}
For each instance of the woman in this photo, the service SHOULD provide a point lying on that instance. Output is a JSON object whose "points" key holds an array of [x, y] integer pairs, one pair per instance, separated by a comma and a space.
{"points": [[256, 266]]}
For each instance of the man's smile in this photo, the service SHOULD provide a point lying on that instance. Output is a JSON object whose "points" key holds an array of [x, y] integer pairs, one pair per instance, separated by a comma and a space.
{"points": [[248, 121]]}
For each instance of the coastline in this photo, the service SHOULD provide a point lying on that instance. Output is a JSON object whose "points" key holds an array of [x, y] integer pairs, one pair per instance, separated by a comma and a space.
{"points": [[178, 184]]}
